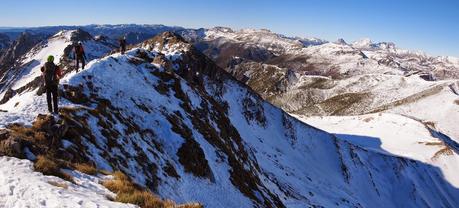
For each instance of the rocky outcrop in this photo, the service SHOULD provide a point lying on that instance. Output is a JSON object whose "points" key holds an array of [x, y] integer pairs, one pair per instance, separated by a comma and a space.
{"points": [[4, 42], [19, 47], [43, 137]]}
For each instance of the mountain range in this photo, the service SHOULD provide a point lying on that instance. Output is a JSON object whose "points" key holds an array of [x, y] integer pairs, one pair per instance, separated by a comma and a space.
{"points": [[226, 118]]}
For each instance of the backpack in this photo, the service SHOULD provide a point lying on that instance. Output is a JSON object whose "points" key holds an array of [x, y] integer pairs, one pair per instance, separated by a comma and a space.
{"points": [[79, 50], [50, 73]]}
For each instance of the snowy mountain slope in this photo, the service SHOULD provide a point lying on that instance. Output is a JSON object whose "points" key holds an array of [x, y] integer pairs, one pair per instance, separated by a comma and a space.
{"points": [[360, 94], [440, 109], [177, 124], [410, 96], [224, 44], [398, 135], [22, 187], [57, 46], [25, 73], [38, 55], [278, 44]]}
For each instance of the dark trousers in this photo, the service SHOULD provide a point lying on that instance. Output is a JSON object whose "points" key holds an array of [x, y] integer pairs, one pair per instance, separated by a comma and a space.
{"points": [[123, 49], [51, 91], [78, 59]]}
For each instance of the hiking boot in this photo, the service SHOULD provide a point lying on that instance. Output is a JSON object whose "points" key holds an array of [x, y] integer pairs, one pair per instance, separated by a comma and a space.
{"points": [[55, 115]]}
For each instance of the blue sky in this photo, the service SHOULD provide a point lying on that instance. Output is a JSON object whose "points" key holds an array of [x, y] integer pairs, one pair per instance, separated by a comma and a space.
{"points": [[431, 26]]}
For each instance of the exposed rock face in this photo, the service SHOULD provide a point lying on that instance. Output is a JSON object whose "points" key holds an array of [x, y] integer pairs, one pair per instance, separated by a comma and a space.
{"points": [[11, 58], [44, 136], [9, 145], [76, 36], [4, 42], [80, 35], [19, 47], [341, 41]]}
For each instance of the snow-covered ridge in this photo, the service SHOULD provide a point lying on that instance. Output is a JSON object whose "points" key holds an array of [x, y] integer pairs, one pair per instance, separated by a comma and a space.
{"points": [[38, 55], [25, 77], [262, 37], [22, 187], [396, 135]]}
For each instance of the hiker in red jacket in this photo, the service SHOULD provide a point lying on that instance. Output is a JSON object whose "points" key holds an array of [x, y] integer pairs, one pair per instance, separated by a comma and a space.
{"points": [[79, 55], [51, 75]]}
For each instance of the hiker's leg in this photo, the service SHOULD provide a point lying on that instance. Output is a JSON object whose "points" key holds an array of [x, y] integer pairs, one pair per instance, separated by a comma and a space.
{"points": [[48, 99], [55, 99], [82, 62], [77, 62]]}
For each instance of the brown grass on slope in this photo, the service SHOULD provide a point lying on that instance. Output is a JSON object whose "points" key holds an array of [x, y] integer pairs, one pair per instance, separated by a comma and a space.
{"points": [[48, 166], [86, 168], [128, 192]]}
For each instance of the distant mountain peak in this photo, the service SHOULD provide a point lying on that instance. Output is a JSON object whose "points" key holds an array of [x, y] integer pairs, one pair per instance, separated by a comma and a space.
{"points": [[386, 45], [340, 41], [362, 43], [223, 29], [74, 35]]}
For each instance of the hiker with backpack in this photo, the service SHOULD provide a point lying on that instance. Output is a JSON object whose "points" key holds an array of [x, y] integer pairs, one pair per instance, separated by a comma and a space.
{"points": [[122, 45], [79, 55], [51, 75]]}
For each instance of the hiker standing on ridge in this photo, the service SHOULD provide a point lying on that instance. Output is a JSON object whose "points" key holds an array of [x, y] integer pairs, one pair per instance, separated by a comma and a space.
{"points": [[122, 45], [51, 75], [80, 55]]}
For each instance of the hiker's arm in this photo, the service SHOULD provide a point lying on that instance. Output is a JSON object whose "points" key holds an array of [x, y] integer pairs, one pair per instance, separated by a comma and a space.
{"points": [[59, 72]]}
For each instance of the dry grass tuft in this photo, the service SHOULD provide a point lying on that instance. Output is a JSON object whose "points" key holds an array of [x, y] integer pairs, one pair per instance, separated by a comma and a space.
{"points": [[119, 184], [434, 143], [443, 151], [42, 122], [144, 199], [86, 168], [128, 192], [47, 166], [29, 134], [21, 131]]}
